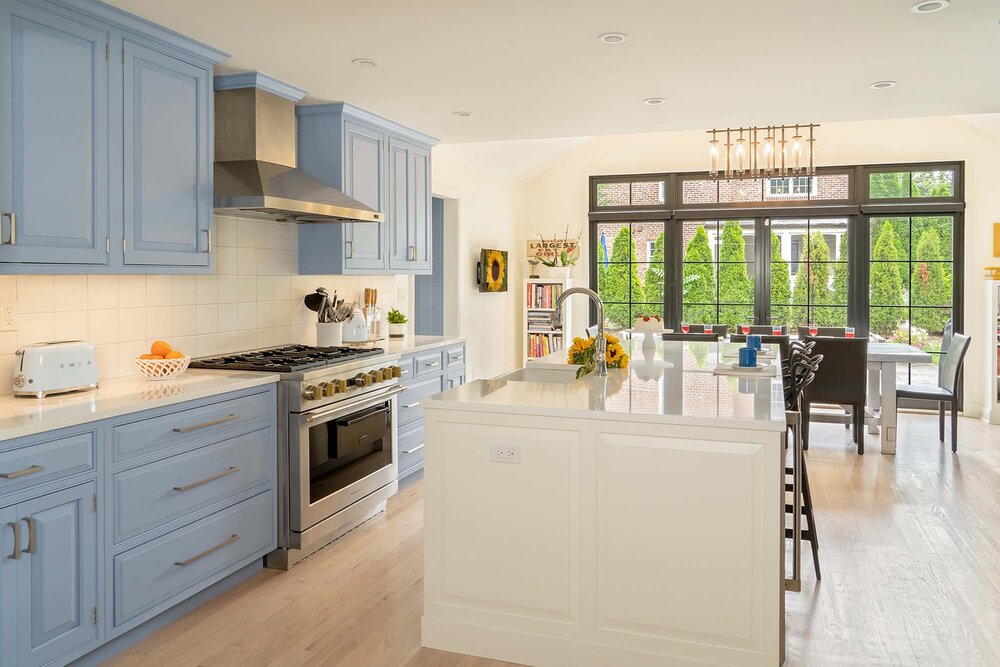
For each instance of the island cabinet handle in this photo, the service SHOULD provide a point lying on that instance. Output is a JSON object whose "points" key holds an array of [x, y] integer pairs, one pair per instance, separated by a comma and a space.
{"points": [[415, 449], [411, 405], [30, 470], [211, 478], [221, 545], [16, 527], [214, 422]]}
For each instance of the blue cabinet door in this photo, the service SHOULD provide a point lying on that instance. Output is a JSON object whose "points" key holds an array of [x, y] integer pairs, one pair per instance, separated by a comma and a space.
{"points": [[53, 138], [57, 580], [8, 585], [168, 159], [409, 217], [419, 228], [364, 179]]}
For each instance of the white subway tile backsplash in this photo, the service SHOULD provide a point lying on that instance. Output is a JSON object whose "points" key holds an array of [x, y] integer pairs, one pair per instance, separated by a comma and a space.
{"points": [[253, 300], [102, 292]]}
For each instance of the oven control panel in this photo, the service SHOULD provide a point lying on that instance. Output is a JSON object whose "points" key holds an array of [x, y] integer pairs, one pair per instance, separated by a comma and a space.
{"points": [[335, 386]]}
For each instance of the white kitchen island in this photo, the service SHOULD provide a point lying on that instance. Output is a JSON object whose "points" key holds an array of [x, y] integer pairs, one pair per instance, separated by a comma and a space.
{"points": [[634, 522]]}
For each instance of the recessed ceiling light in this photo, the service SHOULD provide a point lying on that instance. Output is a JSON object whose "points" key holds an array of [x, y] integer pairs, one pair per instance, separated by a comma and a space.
{"points": [[882, 85], [364, 62], [613, 37], [654, 101], [461, 114], [929, 6]]}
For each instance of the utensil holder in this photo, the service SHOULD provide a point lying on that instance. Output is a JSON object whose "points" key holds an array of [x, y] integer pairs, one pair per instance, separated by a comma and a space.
{"points": [[329, 334]]}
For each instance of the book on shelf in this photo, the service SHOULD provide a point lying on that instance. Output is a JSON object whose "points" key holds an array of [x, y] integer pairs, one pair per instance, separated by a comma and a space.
{"points": [[540, 345], [542, 295]]}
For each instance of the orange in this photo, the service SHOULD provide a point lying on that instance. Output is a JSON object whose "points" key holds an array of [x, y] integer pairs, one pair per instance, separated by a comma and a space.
{"points": [[160, 347], [150, 356], [174, 354]]}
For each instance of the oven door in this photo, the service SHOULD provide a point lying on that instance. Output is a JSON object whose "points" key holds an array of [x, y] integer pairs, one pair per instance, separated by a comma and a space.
{"points": [[339, 454]]}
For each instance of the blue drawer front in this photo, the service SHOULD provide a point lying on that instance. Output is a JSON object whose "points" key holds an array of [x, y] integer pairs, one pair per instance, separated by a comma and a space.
{"points": [[185, 426], [152, 494], [409, 408], [46, 461], [172, 567], [429, 364]]}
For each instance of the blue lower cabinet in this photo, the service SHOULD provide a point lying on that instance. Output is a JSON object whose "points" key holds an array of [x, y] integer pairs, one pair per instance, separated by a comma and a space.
{"points": [[57, 578], [8, 585]]}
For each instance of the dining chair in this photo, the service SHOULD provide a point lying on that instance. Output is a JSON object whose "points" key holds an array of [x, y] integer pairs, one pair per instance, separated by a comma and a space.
{"points": [[947, 390], [834, 332], [697, 332], [780, 341], [766, 330], [801, 373], [949, 333], [841, 380]]}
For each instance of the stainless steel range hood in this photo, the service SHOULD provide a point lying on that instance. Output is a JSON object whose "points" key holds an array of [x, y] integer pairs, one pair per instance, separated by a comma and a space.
{"points": [[255, 164]]}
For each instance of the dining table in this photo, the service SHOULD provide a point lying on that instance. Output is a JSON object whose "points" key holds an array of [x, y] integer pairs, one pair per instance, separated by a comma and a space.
{"points": [[883, 359]]}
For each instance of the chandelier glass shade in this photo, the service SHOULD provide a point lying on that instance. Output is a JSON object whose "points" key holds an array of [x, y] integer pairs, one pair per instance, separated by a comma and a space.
{"points": [[752, 152]]}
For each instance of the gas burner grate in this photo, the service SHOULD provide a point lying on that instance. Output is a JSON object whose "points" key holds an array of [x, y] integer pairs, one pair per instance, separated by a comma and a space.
{"points": [[284, 359]]}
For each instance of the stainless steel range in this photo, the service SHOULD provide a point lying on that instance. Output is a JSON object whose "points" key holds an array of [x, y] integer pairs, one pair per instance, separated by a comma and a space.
{"points": [[337, 459]]}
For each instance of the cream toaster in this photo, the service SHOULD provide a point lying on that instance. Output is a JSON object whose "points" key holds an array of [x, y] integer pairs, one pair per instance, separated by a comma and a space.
{"points": [[54, 368]]}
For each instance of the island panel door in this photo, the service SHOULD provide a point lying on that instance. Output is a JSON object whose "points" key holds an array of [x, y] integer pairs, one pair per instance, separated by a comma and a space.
{"points": [[57, 580], [53, 138], [167, 159]]}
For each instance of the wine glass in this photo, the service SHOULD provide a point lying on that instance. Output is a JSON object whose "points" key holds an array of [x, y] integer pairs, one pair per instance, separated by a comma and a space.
{"points": [[708, 328], [849, 332], [813, 329], [685, 327], [776, 329], [745, 328]]}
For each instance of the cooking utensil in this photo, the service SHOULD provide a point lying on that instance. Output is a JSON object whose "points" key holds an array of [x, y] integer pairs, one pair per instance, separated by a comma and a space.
{"points": [[314, 300]]}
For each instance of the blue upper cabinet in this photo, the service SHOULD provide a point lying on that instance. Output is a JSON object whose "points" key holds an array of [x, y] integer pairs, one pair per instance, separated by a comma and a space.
{"points": [[379, 163], [168, 159], [54, 145], [106, 143]]}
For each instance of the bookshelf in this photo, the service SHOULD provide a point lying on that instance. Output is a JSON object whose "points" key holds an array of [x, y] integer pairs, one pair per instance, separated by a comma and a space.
{"points": [[993, 333], [538, 299]]}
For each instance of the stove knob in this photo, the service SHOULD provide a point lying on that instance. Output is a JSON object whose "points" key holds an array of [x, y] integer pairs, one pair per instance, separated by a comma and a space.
{"points": [[370, 378], [340, 386], [329, 389], [312, 392], [387, 373], [361, 380], [377, 375]]}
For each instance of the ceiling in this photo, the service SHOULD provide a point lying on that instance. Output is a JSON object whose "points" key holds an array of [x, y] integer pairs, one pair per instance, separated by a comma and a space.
{"points": [[535, 69]]}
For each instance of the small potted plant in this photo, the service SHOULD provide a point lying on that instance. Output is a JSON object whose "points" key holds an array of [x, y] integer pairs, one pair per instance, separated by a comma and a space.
{"points": [[559, 255], [397, 324]]}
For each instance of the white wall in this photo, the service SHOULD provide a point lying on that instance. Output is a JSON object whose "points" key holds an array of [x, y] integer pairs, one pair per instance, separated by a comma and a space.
{"points": [[557, 196], [488, 211], [253, 300]]}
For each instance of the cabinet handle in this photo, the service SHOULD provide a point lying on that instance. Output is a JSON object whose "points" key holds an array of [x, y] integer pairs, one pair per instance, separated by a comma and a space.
{"points": [[16, 527], [433, 364], [412, 251], [13, 227], [412, 405], [232, 539], [415, 449], [31, 470], [350, 249], [208, 241], [211, 478], [214, 422], [32, 525]]}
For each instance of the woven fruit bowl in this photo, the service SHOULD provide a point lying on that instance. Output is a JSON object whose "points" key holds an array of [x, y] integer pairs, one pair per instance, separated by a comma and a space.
{"points": [[161, 369]]}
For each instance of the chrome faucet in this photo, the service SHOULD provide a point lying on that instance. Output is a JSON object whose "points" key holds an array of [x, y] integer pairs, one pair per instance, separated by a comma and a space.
{"points": [[600, 343]]}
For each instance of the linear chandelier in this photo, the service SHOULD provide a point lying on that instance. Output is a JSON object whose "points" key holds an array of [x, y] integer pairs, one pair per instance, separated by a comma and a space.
{"points": [[751, 152]]}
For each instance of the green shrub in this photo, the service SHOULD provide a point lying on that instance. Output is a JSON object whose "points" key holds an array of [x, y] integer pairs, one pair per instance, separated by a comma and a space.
{"points": [[812, 284], [653, 287], [886, 284], [621, 280], [929, 282], [781, 284], [735, 286], [699, 279]]}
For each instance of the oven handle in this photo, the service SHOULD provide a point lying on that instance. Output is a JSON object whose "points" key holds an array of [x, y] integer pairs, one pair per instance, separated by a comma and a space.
{"points": [[361, 400]]}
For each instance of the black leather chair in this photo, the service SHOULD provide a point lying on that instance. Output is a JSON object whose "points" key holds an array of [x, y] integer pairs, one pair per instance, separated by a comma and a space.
{"points": [[800, 373], [834, 332], [841, 380], [947, 390], [949, 333], [697, 332]]}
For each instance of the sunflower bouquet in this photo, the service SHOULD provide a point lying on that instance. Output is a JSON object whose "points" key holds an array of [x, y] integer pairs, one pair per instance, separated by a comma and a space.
{"points": [[581, 353]]}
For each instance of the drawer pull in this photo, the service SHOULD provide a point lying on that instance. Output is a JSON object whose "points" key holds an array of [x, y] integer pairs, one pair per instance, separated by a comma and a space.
{"points": [[211, 478], [411, 405], [31, 470], [32, 525], [16, 527], [214, 422], [458, 357], [432, 364], [232, 540], [415, 449]]}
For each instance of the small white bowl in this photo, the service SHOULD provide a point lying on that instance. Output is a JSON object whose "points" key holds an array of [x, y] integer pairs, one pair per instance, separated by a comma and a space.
{"points": [[161, 369]]}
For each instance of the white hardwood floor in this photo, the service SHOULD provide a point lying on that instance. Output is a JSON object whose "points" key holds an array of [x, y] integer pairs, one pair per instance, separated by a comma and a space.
{"points": [[910, 551]]}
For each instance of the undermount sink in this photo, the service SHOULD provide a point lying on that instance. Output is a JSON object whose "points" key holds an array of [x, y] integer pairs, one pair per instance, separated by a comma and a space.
{"points": [[542, 375]]}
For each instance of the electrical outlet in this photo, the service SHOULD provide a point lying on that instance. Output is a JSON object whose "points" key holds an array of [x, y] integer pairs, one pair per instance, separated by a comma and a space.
{"points": [[8, 317], [401, 296], [505, 453]]}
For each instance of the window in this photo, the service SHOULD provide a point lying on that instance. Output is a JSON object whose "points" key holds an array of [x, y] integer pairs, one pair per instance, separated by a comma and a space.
{"points": [[911, 184], [798, 185], [809, 260], [702, 192], [621, 194], [630, 286], [718, 272], [911, 286]]}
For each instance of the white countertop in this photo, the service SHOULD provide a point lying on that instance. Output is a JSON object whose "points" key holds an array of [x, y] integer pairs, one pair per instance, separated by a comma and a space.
{"points": [[672, 383], [412, 344], [116, 397]]}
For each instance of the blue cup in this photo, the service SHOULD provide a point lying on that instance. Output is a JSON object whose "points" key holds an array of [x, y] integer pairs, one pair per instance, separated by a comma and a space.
{"points": [[753, 340], [748, 357]]}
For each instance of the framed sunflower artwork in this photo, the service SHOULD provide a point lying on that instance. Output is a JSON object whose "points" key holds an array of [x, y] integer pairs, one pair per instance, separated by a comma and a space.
{"points": [[492, 270]]}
